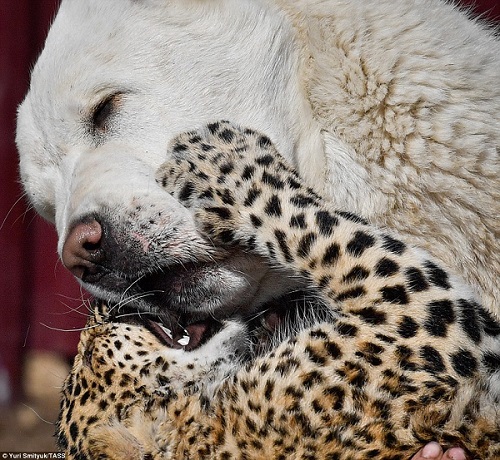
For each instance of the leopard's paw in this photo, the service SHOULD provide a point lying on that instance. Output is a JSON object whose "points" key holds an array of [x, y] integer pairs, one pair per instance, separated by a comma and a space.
{"points": [[226, 175]]}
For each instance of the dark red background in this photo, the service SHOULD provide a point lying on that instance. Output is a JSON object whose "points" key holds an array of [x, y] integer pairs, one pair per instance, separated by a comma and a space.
{"points": [[37, 295]]}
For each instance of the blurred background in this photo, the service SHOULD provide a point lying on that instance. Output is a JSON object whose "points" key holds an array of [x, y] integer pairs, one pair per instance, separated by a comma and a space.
{"points": [[41, 306]]}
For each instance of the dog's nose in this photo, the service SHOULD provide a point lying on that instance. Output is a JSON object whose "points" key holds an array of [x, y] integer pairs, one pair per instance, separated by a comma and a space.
{"points": [[82, 249]]}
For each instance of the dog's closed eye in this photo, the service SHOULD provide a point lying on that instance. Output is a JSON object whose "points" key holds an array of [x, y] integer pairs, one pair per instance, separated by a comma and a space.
{"points": [[101, 114]]}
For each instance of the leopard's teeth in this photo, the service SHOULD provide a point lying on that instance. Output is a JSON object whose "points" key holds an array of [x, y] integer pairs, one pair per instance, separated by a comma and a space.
{"points": [[184, 340], [167, 331]]}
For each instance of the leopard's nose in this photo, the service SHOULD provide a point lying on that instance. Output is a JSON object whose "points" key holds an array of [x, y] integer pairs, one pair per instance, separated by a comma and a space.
{"points": [[82, 250]]}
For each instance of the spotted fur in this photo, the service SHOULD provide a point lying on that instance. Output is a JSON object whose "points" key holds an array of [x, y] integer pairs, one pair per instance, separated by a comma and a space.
{"points": [[409, 355]]}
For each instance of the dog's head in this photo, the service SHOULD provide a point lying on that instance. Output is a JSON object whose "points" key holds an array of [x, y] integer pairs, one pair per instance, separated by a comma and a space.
{"points": [[116, 81]]}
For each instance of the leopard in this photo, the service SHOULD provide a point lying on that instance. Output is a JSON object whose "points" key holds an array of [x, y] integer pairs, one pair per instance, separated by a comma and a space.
{"points": [[391, 351]]}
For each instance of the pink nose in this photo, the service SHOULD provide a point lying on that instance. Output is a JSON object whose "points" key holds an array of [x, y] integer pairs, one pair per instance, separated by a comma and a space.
{"points": [[82, 248]]}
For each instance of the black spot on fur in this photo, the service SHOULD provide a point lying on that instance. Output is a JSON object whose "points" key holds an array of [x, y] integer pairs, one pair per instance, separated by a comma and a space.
{"points": [[305, 243], [492, 362], [186, 191], [103, 404], [353, 293], [404, 355], [333, 350], [386, 267], [302, 201], [271, 250], [370, 352], [62, 440], [490, 325], [436, 275], [206, 147], [357, 273], [201, 175], [264, 142], [77, 390], [286, 366], [250, 243], [264, 160], [283, 245], [464, 363], [213, 127], [220, 211], [331, 255], [108, 375], [293, 184], [273, 207], [268, 390], [433, 360], [248, 172], [253, 194], [298, 221], [337, 393], [360, 242], [256, 221], [324, 281], [440, 315], [469, 320], [314, 356], [226, 236], [393, 245], [226, 135], [273, 181], [226, 168], [227, 197], [352, 217], [371, 315], [178, 148], [408, 327], [194, 139], [346, 329], [385, 338], [73, 431], [395, 294], [207, 194], [85, 398], [326, 223], [354, 373], [416, 280], [311, 379]]}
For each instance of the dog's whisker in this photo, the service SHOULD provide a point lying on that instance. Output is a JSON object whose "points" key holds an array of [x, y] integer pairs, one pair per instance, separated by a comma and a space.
{"points": [[133, 298], [9, 212], [130, 286], [75, 329], [71, 309], [140, 314]]}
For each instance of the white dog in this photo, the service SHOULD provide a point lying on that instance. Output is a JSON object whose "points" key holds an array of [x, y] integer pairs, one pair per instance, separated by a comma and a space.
{"points": [[391, 107]]}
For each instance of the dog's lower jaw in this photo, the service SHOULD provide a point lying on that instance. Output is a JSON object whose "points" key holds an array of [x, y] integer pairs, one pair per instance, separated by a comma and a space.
{"points": [[233, 287]]}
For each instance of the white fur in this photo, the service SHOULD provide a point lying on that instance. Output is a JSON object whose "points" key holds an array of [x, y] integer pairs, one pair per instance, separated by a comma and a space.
{"points": [[391, 107]]}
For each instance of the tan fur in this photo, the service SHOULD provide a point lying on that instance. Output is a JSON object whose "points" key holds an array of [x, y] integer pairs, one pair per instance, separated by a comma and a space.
{"points": [[415, 123]]}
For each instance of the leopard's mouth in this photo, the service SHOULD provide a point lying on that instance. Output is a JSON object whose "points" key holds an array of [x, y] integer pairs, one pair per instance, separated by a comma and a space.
{"points": [[188, 338], [175, 331], [279, 316]]}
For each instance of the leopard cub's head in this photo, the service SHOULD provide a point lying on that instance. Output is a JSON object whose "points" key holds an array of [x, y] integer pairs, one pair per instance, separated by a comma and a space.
{"points": [[129, 370]]}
